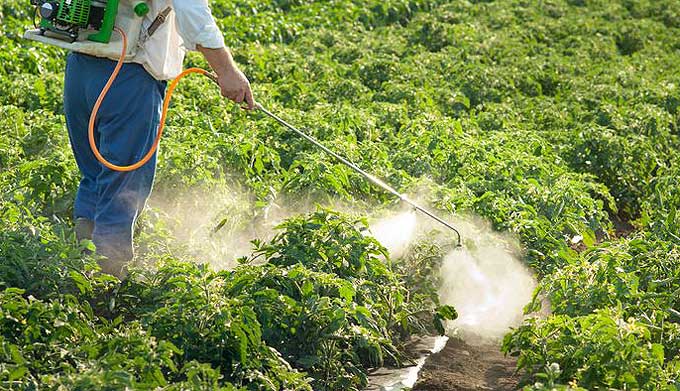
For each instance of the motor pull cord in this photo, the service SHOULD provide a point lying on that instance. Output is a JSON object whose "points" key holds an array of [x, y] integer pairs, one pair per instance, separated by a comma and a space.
{"points": [[161, 126]]}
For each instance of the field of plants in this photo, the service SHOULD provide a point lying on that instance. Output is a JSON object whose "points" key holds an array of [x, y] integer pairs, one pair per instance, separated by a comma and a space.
{"points": [[556, 120]]}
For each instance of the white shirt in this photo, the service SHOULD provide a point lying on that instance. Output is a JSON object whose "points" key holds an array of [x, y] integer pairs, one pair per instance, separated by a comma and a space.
{"points": [[196, 24], [189, 24]]}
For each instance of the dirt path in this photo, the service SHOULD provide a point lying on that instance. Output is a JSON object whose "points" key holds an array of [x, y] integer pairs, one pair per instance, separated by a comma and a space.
{"points": [[463, 367]]}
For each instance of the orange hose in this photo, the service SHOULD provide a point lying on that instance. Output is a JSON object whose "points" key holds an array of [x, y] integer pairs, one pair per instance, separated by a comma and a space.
{"points": [[166, 104]]}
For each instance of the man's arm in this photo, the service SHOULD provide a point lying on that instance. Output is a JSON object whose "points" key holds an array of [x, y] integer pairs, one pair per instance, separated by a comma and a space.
{"points": [[232, 81], [199, 31]]}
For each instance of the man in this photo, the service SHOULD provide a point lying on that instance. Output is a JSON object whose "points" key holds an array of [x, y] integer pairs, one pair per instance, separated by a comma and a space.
{"points": [[108, 202]]}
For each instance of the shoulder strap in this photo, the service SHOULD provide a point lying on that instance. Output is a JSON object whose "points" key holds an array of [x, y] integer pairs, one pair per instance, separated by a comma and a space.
{"points": [[157, 22]]}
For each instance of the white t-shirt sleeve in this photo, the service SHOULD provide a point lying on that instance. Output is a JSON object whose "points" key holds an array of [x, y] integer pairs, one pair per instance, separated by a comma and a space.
{"points": [[196, 24]]}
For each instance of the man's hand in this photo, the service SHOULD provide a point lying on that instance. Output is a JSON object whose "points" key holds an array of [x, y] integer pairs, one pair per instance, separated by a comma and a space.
{"points": [[235, 86], [233, 83]]}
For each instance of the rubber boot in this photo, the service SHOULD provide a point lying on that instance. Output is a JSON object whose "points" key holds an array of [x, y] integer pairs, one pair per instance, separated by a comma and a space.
{"points": [[116, 258], [84, 228], [116, 267]]}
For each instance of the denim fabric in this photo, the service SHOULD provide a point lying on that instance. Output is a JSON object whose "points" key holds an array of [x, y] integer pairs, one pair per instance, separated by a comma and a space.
{"points": [[125, 129]]}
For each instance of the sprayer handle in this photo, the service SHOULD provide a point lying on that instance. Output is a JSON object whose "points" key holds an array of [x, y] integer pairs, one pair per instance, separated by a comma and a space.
{"points": [[212, 77]]}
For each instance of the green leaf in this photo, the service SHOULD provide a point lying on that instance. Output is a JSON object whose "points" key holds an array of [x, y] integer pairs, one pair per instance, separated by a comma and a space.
{"points": [[589, 238], [17, 373], [447, 312], [346, 291], [16, 355], [307, 288], [82, 283]]}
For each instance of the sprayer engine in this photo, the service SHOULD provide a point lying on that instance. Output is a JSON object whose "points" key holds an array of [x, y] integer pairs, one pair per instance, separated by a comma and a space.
{"points": [[64, 19]]}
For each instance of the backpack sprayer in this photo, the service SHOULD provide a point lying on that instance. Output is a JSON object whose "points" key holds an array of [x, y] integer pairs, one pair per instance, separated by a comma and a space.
{"points": [[87, 26], [66, 18]]}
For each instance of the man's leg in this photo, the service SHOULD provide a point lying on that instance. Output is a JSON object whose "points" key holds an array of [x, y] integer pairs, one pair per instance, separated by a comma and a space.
{"points": [[124, 131], [127, 124]]}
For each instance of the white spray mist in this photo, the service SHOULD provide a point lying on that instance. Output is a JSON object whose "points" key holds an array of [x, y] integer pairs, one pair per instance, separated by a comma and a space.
{"points": [[215, 225], [193, 216], [486, 282], [395, 232]]}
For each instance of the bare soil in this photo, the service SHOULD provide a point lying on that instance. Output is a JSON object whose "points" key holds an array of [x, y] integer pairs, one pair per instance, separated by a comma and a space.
{"points": [[622, 226], [463, 367]]}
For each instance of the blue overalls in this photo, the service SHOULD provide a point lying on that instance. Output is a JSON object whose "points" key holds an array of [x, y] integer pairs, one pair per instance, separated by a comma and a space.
{"points": [[125, 129]]}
